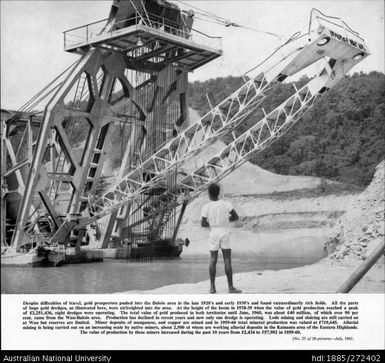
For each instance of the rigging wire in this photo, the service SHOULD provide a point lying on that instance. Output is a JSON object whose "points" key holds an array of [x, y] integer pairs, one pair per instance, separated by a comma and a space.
{"points": [[215, 19], [294, 37], [31, 106], [297, 35], [22, 108], [314, 10]]}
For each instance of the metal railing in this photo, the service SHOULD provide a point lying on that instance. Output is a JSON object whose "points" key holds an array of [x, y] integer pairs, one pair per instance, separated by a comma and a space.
{"points": [[85, 34]]}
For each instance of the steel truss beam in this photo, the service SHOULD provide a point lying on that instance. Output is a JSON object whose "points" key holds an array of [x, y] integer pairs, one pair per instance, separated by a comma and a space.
{"points": [[219, 121], [337, 57], [54, 160], [68, 156], [257, 138]]}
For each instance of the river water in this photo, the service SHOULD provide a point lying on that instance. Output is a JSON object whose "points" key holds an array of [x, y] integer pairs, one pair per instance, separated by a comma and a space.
{"points": [[273, 250]]}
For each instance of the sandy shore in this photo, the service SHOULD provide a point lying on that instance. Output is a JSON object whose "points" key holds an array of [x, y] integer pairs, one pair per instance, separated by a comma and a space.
{"points": [[322, 277]]}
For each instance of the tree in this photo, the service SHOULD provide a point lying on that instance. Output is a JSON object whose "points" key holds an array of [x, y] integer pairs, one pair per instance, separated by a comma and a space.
{"points": [[340, 138]]}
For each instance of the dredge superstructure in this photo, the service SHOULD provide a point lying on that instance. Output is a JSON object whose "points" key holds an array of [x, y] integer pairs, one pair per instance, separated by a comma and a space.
{"points": [[58, 185]]}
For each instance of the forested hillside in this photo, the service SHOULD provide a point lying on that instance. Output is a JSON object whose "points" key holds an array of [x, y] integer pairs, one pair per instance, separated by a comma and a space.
{"points": [[341, 138]]}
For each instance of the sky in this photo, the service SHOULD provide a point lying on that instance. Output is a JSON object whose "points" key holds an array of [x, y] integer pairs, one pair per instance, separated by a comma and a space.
{"points": [[32, 53]]}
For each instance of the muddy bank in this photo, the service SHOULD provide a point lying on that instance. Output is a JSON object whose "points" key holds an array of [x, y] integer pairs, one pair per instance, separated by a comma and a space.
{"points": [[304, 243], [270, 226], [277, 221], [319, 278], [256, 209]]}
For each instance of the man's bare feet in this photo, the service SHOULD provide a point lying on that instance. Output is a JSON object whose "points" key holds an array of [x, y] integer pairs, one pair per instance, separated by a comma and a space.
{"points": [[233, 290]]}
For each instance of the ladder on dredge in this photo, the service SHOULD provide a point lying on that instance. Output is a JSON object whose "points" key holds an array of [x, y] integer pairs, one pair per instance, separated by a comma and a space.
{"points": [[335, 48], [336, 53]]}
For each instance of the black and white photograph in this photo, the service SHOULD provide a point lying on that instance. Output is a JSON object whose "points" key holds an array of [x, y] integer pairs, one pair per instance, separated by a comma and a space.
{"points": [[230, 149]]}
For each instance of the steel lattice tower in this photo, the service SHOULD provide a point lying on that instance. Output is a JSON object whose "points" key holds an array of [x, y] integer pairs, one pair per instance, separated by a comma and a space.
{"points": [[130, 84]]}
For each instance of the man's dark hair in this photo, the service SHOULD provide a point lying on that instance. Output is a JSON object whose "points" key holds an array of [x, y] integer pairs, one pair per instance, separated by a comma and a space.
{"points": [[214, 190]]}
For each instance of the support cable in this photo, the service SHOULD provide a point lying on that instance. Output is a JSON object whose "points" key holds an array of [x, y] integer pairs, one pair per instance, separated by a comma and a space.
{"points": [[215, 19], [294, 37], [27, 104], [346, 26]]}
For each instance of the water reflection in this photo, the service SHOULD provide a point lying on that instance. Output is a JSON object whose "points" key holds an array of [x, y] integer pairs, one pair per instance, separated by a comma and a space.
{"points": [[272, 251]]}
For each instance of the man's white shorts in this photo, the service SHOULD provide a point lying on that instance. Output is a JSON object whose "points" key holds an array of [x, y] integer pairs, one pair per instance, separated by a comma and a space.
{"points": [[219, 239]]}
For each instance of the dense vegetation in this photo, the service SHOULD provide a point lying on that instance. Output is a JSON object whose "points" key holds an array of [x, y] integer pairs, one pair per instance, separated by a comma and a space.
{"points": [[340, 138]]}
